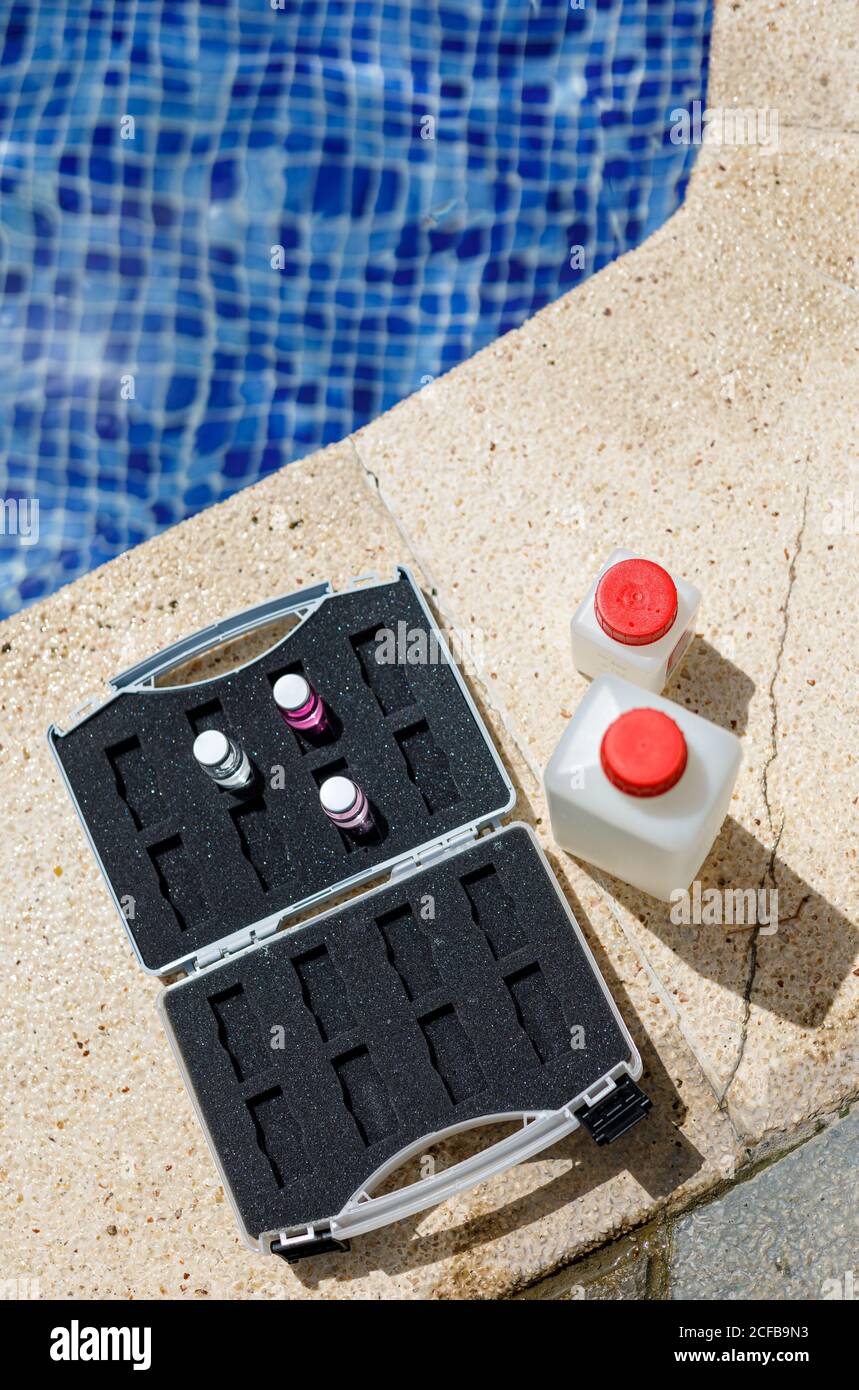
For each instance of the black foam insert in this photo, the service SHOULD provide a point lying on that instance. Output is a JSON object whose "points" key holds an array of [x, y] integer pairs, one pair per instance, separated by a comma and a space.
{"points": [[321, 1054], [200, 862]]}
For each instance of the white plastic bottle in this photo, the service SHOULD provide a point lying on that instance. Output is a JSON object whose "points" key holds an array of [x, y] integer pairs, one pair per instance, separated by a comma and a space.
{"points": [[639, 786], [635, 621]]}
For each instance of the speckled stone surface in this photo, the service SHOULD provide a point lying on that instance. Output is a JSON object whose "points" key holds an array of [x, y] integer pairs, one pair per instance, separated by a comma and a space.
{"points": [[790, 1232], [797, 56], [696, 400]]}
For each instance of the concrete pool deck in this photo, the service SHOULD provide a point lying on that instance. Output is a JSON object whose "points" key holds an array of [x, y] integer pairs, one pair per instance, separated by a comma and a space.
{"points": [[696, 400]]}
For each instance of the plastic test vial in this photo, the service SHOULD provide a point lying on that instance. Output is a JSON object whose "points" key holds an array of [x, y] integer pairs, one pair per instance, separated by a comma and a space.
{"points": [[636, 621], [345, 804], [639, 786], [224, 761], [300, 706]]}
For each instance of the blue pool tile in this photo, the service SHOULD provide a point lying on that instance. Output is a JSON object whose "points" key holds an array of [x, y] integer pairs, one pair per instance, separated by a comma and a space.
{"points": [[230, 234]]}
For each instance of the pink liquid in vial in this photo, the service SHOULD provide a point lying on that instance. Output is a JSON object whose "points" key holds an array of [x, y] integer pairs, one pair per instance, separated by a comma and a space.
{"points": [[300, 706], [345, 804]]}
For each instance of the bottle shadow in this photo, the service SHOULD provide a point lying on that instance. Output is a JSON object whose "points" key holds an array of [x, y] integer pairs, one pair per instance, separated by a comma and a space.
{"points": [[805, 946], [814, 944], [711, 685]]}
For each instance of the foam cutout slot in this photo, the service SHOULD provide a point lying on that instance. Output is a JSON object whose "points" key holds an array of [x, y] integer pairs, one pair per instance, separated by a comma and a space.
{"points": [[318, 1055]]}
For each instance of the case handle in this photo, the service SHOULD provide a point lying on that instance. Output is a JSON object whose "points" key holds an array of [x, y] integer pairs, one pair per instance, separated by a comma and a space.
{"points": [[364, 1212], [145, 672]]}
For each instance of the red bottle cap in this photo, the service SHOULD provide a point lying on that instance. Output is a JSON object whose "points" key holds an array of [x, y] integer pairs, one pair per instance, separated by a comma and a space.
{"points": [[636, 602], [643, 753]]}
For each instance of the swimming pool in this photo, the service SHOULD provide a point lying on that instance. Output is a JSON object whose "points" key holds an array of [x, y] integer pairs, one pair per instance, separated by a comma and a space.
{"points": [[233, 232]]}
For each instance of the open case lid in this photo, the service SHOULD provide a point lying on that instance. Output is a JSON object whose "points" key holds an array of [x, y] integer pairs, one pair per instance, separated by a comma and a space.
{"points": [[197, 872]]}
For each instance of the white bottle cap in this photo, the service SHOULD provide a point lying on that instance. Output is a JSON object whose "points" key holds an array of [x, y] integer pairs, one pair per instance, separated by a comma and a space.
{"points": [[211, 748], [338, 794], [291, 692]]}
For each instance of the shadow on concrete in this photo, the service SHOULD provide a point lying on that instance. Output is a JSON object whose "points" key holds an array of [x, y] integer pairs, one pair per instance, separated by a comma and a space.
{"points": [[709, 684], [798, 970]]}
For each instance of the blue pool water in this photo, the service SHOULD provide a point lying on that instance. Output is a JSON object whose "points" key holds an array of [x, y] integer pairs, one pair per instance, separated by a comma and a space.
{"points": [[231, 233]]}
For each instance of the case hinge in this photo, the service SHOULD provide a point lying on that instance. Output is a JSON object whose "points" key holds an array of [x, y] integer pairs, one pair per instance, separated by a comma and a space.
{"points": [[361, 581], [208, 957], [616, 1112], [234, 944], [441, 849], [83, 711], [294, 1248]]}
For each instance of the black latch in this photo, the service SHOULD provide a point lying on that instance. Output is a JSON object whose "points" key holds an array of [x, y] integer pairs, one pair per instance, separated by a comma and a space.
{"points": [[313, 1245], [615, 1113]]}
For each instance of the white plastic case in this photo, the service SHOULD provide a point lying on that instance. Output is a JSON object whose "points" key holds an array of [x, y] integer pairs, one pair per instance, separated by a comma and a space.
{"points": [[607, 1105]]}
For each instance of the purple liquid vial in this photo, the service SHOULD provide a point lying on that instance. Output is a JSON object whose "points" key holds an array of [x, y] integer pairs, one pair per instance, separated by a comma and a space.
{"points": [[300, 706], [345, 804]]}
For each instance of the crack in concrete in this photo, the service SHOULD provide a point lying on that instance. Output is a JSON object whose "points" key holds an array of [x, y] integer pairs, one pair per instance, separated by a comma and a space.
{"points": [[365, 466], [438, 597], [754, 939], [827, 279], [785, 608], [373, 480], [769, 874], [831, 130], [417, 559], [795, 916], [674, 1013]]}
